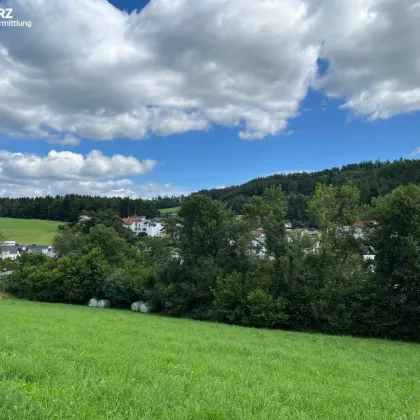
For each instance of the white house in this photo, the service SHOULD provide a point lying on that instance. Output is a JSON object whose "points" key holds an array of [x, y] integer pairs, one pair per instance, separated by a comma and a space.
{"points": [[368, 253], [9, 251], [288, 225], [13, 252], [142, 226]]}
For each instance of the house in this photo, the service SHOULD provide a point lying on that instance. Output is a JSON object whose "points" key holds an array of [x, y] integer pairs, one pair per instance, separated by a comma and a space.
{"points": [[13, 252], [84, 219], [368, 253], [258, 245], [140, 226], [9, 251]]}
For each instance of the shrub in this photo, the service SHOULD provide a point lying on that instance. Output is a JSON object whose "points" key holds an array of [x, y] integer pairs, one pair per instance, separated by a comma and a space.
{"points": [[263, 310], [117, 288]]}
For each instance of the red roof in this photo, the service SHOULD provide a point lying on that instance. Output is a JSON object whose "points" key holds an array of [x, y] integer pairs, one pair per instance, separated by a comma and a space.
{"points": [[365, 223], [131, 220]]}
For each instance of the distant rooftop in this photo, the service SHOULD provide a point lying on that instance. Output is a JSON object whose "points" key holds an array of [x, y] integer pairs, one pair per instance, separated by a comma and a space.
{"points": [[130, 220]]}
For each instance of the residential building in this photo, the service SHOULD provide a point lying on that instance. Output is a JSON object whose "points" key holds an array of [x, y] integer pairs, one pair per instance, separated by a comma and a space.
{"points": [[13, 252], [368, 253], [146, 227]]}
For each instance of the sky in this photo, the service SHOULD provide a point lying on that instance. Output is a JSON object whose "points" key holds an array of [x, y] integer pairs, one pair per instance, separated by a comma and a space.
{"points": [[137, 98]]}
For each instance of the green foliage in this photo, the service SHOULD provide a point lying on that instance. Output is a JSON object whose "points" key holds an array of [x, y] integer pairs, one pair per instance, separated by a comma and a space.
{"points": [[82, 277], [239, 300], [397, 242], [105, 218], [333, 207], [205, 227], [116, 287], [265, 310], [268, 212], [70, 207], [373, 179], [68, 242], [115, 249], [325, 206]]}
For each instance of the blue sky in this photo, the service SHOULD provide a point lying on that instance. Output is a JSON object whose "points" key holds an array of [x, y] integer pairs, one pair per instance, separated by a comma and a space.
{"points": [[319, 135]]}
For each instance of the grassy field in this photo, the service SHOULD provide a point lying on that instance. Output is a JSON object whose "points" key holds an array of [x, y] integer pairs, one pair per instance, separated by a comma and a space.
{"points": [[171, 210], [68, 362], [27, 232]]}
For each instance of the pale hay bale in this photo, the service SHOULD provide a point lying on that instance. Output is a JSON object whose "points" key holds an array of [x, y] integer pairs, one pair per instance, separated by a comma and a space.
{"points": [[136, 306], [104, 303], [93, 303], [145, 308]]}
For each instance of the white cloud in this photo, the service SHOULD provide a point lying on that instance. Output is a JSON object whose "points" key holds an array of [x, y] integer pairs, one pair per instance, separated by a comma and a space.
{"points": [[415, 152], [372, 47], [70, 166], [61, 173], [119, 188], [89, 70]]}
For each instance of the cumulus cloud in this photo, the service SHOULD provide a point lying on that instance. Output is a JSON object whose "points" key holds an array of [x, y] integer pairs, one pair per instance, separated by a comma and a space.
{"points": [[372, 47], [61, 173], [70, 166], [85, 69], [90, 70]]}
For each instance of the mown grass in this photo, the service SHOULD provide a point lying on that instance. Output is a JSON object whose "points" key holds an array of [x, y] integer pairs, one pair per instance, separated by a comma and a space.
{"points": [[27, 232], [69, 362], [170, 210]]}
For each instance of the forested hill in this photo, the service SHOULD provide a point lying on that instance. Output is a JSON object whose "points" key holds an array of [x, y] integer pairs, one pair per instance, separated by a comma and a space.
{"points": [[373, 179]]}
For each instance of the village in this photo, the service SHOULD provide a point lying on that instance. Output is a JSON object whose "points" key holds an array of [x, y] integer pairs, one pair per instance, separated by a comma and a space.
{"points": [[140, 226]]}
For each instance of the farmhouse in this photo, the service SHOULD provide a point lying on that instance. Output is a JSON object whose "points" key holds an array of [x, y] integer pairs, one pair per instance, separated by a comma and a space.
{"points": [[13, 251], [140, 226]]}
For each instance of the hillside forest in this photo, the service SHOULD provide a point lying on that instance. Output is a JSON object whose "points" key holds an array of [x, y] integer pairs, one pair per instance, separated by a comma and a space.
{"points": [[373, 179]]}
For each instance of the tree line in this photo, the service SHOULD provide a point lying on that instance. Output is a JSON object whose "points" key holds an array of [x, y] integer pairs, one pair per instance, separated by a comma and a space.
{"points": [[204, 269], [374, 179], [69, 207]]}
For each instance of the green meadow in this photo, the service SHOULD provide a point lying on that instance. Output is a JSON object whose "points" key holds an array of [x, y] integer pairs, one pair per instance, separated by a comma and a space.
{"points": [[70, 362], [27, 232], [170, 210]]}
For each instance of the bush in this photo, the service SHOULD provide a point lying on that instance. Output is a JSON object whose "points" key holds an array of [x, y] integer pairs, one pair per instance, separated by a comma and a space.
{"points": [[117, 288], [263, 310]]}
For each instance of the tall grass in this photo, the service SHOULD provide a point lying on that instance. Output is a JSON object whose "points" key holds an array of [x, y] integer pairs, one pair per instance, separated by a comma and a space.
{"points": [[69, 362]]}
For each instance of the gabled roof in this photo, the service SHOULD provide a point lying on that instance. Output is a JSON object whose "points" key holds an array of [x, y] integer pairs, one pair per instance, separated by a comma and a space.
{"points": [[37, 249], [131, 220], [368, 250], [10, 249]]}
